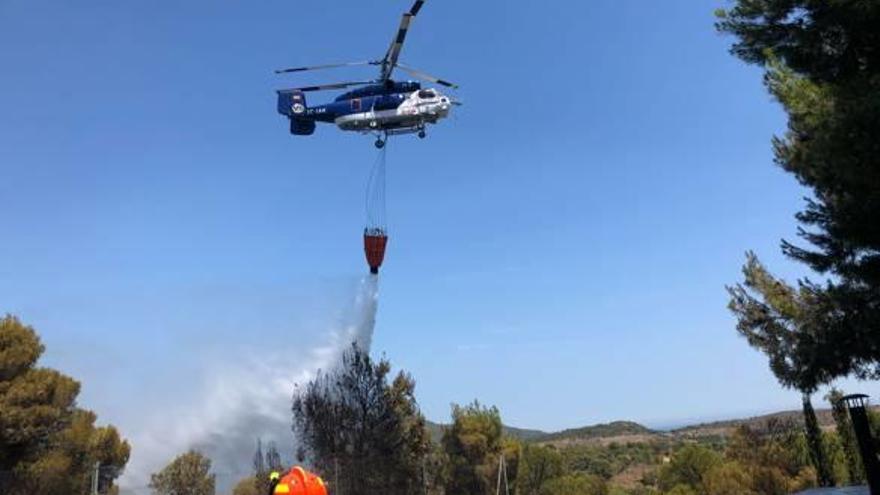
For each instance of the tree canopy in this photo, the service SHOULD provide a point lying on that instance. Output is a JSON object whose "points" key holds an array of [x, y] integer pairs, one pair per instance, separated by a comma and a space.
{"points": [[187, 474], [822, 62], [538, 464], [689, 467], [263, 465], [248, 486], [367, 435], [473, 445], [47, 444]]}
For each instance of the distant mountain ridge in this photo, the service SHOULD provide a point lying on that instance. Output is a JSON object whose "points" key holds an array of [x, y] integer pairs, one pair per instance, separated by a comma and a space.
{"points": [[436, 430], [632, 432], [605, 430]]}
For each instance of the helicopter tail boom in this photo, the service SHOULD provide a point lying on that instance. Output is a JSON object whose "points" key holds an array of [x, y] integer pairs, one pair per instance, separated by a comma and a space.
{"points": [[292, 103]]}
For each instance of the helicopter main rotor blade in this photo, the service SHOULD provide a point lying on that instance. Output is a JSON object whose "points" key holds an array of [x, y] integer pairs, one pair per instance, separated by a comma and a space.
{"points": [[425, 76], [390, 60], [414, 11], [326, 66], [324, 87]]}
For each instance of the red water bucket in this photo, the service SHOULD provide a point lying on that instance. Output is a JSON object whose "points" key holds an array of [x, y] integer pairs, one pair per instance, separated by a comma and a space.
{"points": [[375, 242]]}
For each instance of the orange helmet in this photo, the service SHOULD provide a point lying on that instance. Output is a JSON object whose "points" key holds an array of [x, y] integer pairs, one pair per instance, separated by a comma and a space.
{"points": [[300, 482]]}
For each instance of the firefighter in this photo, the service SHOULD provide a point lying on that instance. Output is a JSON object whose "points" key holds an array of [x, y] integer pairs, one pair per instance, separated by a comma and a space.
{"points": [[274, 478]]}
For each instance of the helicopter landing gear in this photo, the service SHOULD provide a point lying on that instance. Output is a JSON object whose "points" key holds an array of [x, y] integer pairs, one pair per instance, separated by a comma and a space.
{"points": [[381, 139], [422, 134]]}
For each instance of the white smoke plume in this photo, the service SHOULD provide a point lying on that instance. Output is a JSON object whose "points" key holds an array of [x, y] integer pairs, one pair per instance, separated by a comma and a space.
{"points": [[241, 402]]}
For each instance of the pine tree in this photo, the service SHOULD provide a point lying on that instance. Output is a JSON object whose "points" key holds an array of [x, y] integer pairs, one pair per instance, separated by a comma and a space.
{"points": [[822, 62], [473, 444], [188, 474], [817, 449], [47, 444], [259, 461], [538, 465], [261, 474], [273, 458], [772, 316], [353, 422]]}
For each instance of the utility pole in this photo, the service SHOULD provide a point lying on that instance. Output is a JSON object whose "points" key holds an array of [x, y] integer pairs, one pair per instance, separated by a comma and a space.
{"points": [[502, 472], [95, 476]]}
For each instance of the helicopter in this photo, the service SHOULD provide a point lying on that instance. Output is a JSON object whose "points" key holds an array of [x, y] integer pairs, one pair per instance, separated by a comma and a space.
{"points": [[383, 107]]}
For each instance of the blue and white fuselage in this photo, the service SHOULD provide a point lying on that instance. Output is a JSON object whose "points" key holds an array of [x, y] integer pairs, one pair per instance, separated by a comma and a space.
{"points": [[397, 108]]}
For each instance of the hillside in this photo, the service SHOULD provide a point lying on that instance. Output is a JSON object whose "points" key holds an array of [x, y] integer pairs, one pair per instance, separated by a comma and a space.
{"points": [[723, 428], [616, 429], [436, 431], [596, 433], [623, 432]]}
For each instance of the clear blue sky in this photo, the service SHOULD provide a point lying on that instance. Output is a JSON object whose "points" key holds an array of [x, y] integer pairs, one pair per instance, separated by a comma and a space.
{"points": [[559, 248]]}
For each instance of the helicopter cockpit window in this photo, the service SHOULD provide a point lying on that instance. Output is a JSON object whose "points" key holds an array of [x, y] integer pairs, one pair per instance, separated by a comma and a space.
{"points": [[427, 93]]}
